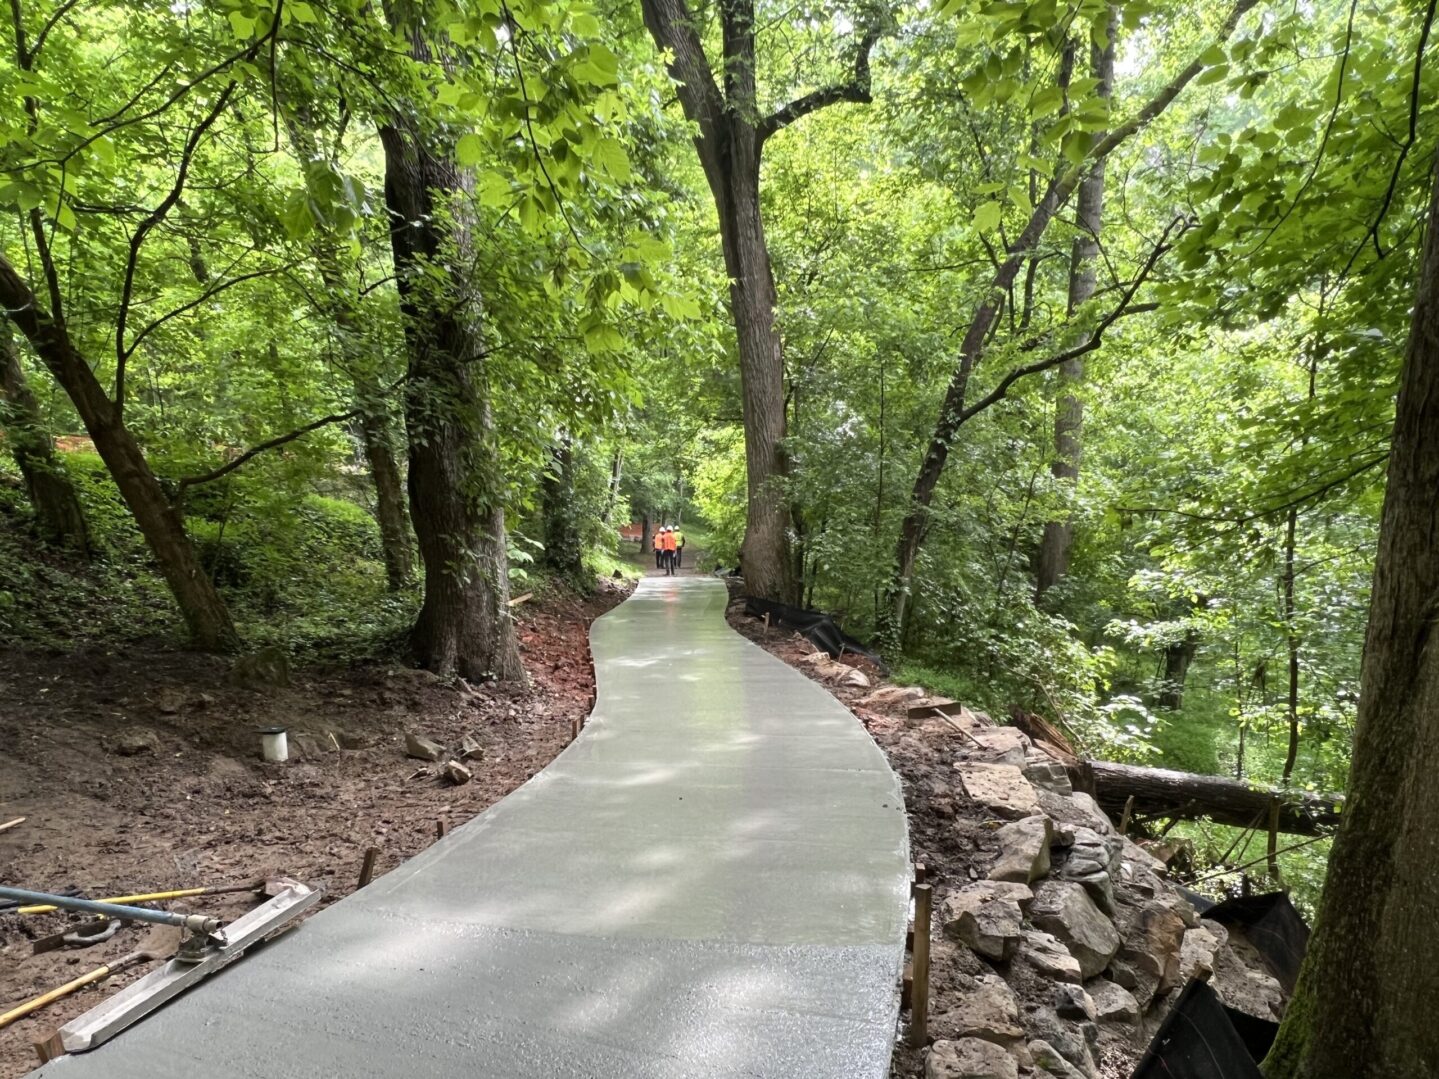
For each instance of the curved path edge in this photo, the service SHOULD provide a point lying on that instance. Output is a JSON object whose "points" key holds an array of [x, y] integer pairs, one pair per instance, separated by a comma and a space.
{"points": [[711, 881]]}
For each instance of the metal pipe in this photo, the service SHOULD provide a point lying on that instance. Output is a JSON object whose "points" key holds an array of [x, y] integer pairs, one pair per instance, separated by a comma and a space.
{"points": [[194, 922]]}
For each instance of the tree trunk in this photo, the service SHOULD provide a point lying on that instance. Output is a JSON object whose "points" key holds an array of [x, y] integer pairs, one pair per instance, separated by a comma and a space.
{"points": [[58, 513], [204, 611], [612, 500], [1165, 792], [557, 503], [731, 138], [647, 536], [456, 487], [1053, 561], [765, 560], [390, 512], [1177, 658], [1364, 1005]]}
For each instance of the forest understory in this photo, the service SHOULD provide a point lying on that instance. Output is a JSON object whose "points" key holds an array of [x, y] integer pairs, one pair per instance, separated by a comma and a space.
{"points": [[137, 769]]}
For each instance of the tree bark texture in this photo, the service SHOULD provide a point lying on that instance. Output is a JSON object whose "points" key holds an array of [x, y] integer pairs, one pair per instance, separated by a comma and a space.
{"points": [[58, 513], [1053, 560], [205, 613], [1177, 658], [1364, 1007], [456, 488], [1162, 792]]}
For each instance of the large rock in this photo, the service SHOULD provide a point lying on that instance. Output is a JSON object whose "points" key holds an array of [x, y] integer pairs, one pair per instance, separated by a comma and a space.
{"points": [[1243, 985], [1148, 962], [1052, 1061], [1002, 745], [988, 917], [989, 1011], [1113, 1003], [1064, 909], [1072, 1002], [1051, 958], [421, 748], [1042, 770], [969, 1058], [1023, 850], [890, 697], [1001, 788], [1094, 861], [1074, 1042], [134, 741], [1197, 954], [1077, 810]]}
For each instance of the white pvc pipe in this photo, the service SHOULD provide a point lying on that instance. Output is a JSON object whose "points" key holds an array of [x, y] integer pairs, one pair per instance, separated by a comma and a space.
{"points": [[276, 745]]}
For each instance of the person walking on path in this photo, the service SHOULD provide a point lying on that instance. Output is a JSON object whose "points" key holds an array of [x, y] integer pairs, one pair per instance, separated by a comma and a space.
{"points": [[659, 547], [669, 552], [679, 548]]}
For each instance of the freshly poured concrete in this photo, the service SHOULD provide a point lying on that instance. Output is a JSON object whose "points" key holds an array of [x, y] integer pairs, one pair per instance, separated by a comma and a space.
{"points": [[712, 881]]}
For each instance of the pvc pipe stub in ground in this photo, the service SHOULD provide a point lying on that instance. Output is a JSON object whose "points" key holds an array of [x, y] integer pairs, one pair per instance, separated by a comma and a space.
{"points": [[275, 745]]}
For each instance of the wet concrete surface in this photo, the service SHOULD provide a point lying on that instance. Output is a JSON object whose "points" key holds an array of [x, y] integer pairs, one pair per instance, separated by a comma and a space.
{"points": [[712, 881]]}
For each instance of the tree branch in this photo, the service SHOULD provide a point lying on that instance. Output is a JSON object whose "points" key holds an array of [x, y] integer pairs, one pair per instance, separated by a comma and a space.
{"points": [[254, 451], [198, 300], [1093, 342], [122, 354], [857, 89]]}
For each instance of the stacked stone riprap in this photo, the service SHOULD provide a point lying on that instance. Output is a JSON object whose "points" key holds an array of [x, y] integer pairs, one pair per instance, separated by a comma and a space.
{"points": [[1082, 940]]}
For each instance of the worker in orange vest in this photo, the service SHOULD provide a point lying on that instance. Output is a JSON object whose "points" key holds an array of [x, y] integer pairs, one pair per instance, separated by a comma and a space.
{"points": [[668, 536], [659, 548]]}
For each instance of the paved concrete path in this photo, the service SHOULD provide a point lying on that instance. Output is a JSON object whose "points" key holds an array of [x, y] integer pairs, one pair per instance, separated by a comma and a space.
{"points": [[711, 882]]}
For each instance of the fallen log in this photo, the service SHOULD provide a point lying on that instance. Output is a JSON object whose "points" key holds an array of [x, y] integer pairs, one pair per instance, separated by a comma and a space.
{"points": [[1162, 792]]}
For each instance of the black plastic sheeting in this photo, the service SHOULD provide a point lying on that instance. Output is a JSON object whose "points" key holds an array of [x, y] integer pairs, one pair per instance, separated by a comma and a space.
{"points": [[1272, 925], [1202, 1039], [821, 630]]}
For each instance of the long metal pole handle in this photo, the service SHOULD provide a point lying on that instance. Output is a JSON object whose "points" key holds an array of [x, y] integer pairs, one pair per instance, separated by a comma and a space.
{"points": [[194, 922]]}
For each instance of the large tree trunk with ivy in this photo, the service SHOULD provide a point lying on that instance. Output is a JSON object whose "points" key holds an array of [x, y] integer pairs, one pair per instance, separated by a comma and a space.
{"points": [[205, 613], [731, 138], [58, 514], [455, 479], [1364, 1005], [1053, 560]]}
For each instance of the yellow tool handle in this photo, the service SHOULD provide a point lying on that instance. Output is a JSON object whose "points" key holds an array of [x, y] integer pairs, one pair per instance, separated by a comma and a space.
{"points": [[55, 994], [182, 893]]}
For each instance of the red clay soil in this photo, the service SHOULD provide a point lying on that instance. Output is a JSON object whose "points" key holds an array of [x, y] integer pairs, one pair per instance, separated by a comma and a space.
{"points": [[139, 770]]}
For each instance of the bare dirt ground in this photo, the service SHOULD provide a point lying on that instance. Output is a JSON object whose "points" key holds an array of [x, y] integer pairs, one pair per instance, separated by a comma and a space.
{"points": [[139, 769]]}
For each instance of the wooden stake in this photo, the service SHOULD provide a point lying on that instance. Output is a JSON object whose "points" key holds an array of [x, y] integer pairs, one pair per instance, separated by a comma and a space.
{"points": [[919, 994], [1124, 817], [1274, 839], [367, 867], [442, 827], [574, 729], [49, 1047]]}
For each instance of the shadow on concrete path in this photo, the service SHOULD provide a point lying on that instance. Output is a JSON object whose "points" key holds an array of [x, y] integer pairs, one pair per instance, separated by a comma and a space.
{"points": [[712, 881]]}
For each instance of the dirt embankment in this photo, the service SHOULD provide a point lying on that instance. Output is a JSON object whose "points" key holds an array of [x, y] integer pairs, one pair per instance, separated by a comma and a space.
{"points": [[139, 770]]}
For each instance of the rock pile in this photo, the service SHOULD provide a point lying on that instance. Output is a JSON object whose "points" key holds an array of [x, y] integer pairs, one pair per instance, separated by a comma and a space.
{"points": [[1077, 942]]}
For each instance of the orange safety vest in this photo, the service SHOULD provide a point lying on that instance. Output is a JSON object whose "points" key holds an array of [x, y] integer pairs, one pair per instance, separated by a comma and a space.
{"points": [[669, 541], [659, 541]]}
